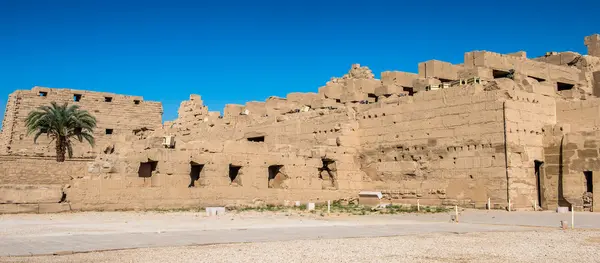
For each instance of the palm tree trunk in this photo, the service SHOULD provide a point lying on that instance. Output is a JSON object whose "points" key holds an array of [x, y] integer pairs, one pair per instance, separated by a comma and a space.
{"points": [[61, 148]]}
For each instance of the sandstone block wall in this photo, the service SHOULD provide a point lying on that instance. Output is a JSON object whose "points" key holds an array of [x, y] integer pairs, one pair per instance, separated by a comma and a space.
{"points": [[593, 45], [523, 139], [115, 114], [443, 147], [439, 69], [22, 198], [580, 115], [40, 170], [526, 116], [568, 159], [540, 70]]}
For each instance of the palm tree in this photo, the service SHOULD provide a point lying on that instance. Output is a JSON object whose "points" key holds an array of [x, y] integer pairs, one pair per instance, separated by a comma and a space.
{"points": [[61, 123]]}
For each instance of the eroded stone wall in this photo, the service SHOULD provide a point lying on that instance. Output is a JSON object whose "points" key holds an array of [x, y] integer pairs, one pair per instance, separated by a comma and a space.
{"points": [[40, 170], [443, 147], [501, 127], [115, 114]]}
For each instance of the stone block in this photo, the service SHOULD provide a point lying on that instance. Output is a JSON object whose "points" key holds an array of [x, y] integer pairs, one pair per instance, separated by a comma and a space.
{"points": [[18, 208], [587, 153], [54, 208], [398, 78], [30, 194], [332, 91], [439, 69]]}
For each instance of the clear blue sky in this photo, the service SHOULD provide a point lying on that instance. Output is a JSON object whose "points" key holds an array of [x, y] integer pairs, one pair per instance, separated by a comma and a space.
{"points": [[234, 51]]}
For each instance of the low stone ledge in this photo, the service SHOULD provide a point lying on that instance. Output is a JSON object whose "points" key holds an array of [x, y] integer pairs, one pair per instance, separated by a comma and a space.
{"points": [[30, 194]]}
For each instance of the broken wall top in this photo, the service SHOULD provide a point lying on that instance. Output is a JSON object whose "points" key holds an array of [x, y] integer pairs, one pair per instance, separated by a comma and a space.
{"points": [[593, 45], [540, 70]]}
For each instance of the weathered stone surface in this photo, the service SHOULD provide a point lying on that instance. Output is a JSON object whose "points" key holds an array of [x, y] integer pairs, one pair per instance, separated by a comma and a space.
{"points": [[54, 208], [18, 208], [30, 194], [460, 134]]}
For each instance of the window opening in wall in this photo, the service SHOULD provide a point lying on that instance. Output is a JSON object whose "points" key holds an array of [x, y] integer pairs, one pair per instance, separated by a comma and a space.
{"points": [[109, 131], [498, 74], [538, 79], [338, 101], [76, 97], [43, 93], [588, 196], [107, 99], [409, 90], [538, 180], [277, 177], [146, 168], [589, 186], [372, 97], [136, 102], [256, 139], [328, 174], [564, 86], [196, 170], [234, 174]]}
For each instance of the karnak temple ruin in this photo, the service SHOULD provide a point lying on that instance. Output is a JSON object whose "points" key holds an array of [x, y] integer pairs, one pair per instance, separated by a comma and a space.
{"points": [[523, 133]]}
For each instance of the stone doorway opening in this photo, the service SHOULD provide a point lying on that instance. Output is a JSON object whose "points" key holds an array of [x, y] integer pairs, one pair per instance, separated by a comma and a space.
{"points": [[328, 174], [588, 195], [195, 171], [539, 166], [146, 168], [277, 177], [235, 174], [498, 74]]}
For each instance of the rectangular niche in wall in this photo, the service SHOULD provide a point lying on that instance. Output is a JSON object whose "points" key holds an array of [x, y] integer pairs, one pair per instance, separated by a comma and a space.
{"points": [[539, 177], [328, 174], [234, 174], [564, 86], [588, 195], [256, 139], [195, 172], [276, 177], [146, 168]]}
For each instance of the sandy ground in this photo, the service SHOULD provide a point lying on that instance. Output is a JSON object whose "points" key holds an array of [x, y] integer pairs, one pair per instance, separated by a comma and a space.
{"points": [[481, 236], [538, 246]]}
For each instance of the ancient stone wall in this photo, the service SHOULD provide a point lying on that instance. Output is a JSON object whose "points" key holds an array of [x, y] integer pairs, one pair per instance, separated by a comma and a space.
{"points": [[131, 193], [582, 115], [40, 170], [32, 198], [449, 135], [115, 114], [441, 70], [8, 123], [526, 116], [442, 147], [569, 159], [572, 151], [593, 45], [531, 68]]}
